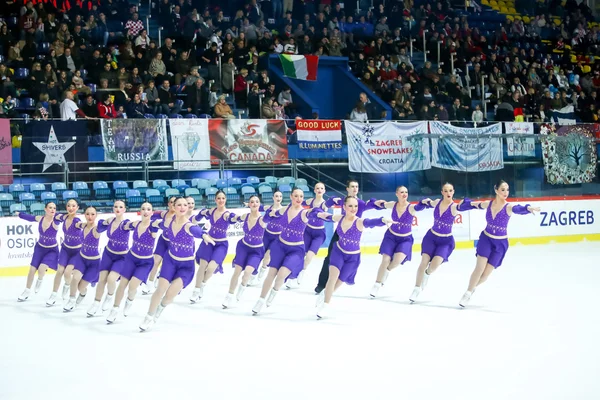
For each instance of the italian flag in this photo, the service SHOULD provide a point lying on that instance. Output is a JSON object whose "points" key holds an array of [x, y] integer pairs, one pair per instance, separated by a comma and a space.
{"points": [[300, 67]]}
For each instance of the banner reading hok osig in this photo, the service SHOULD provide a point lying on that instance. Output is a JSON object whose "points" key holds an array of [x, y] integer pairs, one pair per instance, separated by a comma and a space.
{"points": [[466, 149], [248, 141], [387, 147], [127, 140]]}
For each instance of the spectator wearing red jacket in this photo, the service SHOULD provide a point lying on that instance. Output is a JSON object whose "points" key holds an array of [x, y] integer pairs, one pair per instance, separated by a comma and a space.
{"points": [[240, 87], [387, 73], [106, 109]]}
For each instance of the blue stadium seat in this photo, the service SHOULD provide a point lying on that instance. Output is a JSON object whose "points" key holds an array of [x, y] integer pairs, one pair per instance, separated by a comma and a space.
{"points": [[176, 116], [69, 194], [162, 116], [16, 189], [266, 194], [120, 188], [155, 198], [27, 199], [204, 116], [248, 191], [17, 207], [254, 181], [92, 87], [233, 198], [180, 184], [286, 180], [286, 191], [134, 198], [82, 189], [211, 193], [101, 190], [21, 73], [271, 180], [37, 209], [6, 200], [179, 102], [221, 183], [308, 194], [172, 192], [301, 181], [202, 184], [49, 197], [141, 186], [148, 116], [190, 116], [235, 183], [37, 189], [194, 193], [59, 188], [158, 183]]}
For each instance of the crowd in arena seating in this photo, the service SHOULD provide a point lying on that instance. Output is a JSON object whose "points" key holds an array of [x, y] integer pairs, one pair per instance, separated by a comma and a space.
{"points": [[102, 52]]}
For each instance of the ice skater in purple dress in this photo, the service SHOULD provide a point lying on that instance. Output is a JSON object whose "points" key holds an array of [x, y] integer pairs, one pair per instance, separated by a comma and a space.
{"points": [[396, 246], [287, 253], [113, 256], [271, 234], [138, 262], [314, 235], [210, 257], [493, 240], [250, 250], [69, 249], [345, 255], [45, 252], [438, 243], [162, 246], [87, 262], [178, 262]]}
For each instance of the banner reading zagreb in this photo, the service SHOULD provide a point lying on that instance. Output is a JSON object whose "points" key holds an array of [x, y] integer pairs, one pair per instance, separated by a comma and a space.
{"points": [[386, 147], [319, 134], [466, 149], [248, 141], [190, 143], [521, 146], [127, 140]]}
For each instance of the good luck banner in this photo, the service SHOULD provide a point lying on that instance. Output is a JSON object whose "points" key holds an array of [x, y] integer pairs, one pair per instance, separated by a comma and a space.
{"points": [[387, 147], [318, 136], [569, 153], [127, 140], [248, 141], [190, 143], [466, 149]]}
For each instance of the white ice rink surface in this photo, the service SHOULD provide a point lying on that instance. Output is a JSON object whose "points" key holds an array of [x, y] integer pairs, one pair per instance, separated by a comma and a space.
{"points": [[531, 332]]}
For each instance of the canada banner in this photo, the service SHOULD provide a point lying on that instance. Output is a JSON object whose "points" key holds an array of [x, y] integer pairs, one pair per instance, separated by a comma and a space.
{"points": [[248, 141], [387, 147]]}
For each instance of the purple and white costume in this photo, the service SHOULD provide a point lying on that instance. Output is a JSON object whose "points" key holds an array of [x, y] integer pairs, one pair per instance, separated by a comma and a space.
{"points": [[493, 240], [218, 232], [178, 261], [314, 234], [73, 238], [46, 249], [398, 238], [273, 229], [438, 241], [88, 260], [345, 255], [250, 250], [288, 251], [140, 258], [117, 247], [162, 245]]}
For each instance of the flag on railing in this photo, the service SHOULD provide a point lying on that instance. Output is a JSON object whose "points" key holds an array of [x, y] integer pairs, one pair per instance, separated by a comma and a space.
{"points": [[569, 153], [47, 145], [564, 116], [300, 67]]}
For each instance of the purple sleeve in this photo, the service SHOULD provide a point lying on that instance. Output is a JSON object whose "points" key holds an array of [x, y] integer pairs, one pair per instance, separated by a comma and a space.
{"points": [[200, 216], [466, 205], [370, 205], [261, 208], [332, 201], [156, 216], [27, 217], [196, 231], [420, 206], [521, 210], [101, 227], [314, 213], [373, 222], [232, 218]]}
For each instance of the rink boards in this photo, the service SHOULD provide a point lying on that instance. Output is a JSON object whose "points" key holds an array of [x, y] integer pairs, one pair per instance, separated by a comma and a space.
{"points": [[559, 221]]}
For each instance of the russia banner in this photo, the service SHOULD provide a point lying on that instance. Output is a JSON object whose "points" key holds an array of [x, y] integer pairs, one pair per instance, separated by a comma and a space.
{"points": [[466, 149], [318, 137], [387, 147]]}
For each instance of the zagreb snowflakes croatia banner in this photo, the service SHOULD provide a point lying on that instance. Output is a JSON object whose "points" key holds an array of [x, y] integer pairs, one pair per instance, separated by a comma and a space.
{"points": [[127, 140], [387, 147], [190, 143], [248, 141], [466, 149], [569, 153], [519, 143]]}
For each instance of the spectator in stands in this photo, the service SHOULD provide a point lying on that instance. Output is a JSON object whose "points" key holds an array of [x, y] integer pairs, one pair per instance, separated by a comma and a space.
{"points": [[267, 110], [68, 108], [106, 108], [168, 101], [197, 98], [359, 112], [240, 88], [285, 97], [222, 109], [157, 69], [134, 26], [42, 108], [89, 107]]}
